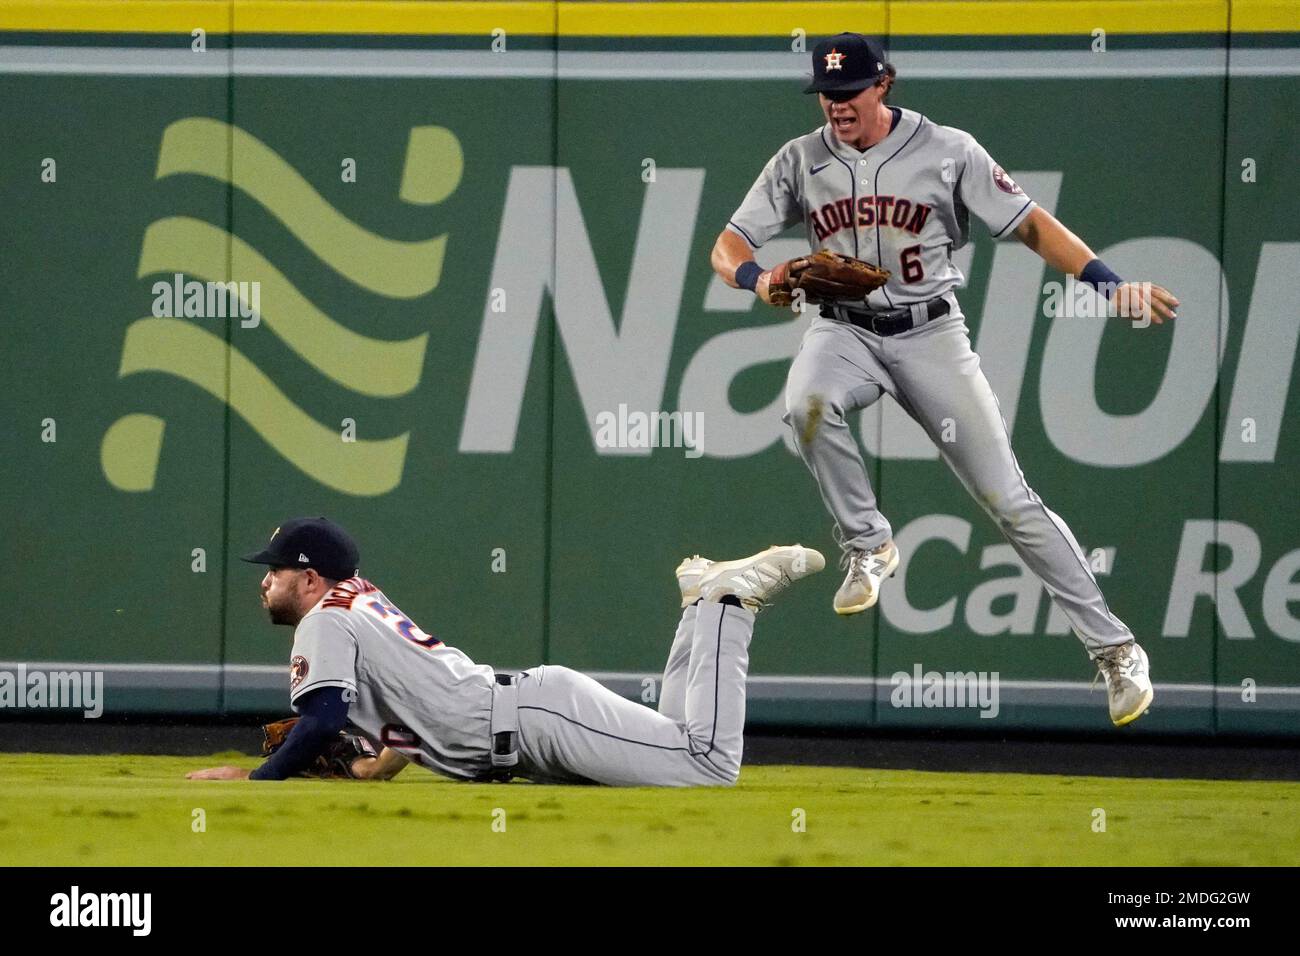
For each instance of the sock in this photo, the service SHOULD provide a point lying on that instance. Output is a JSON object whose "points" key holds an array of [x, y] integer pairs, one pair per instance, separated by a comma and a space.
{"points": [[732, 600]]}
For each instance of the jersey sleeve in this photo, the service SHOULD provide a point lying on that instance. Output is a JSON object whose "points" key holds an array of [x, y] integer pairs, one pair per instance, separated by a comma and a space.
{"points": [[988, 192], [772, 204], [324, 655]]}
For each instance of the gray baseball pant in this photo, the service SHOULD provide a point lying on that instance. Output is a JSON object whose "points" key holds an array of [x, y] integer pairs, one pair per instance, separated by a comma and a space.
{"points": [[934, 375], [573, 729]]}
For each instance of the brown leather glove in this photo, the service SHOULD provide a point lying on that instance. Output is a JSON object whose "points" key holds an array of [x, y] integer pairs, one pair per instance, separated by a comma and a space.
{"points": [[825, 276], [334, 764]]}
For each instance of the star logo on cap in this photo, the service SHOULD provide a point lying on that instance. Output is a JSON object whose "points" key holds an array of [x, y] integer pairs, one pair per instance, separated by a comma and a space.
{"points": [[834, 59]]}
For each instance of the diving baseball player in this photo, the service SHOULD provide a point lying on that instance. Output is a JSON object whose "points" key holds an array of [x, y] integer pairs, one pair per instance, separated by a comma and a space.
{"points": [[357, 659], [892, 187]]}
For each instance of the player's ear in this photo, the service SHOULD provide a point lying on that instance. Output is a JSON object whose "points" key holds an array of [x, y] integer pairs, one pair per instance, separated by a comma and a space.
{"points": [[318, 578]]}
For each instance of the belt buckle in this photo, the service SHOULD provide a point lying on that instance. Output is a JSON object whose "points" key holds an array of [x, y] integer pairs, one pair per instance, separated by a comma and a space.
{"points": [[892, 316]]}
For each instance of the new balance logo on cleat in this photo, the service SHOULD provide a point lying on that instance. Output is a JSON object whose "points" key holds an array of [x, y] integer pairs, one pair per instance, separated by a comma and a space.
{"points": [[756, 579], [861, 587], [1125, 669]]}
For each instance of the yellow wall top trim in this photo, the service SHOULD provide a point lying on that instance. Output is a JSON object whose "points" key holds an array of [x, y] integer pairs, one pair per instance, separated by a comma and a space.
{"points": [[1265, 16], [669, 18]]}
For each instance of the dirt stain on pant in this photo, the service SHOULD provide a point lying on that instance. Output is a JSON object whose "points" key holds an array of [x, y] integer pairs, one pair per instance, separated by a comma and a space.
{"points": [[816, 411]]}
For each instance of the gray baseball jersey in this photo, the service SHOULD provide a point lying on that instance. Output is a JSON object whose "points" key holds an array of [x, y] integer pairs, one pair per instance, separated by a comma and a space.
{"points": [[904, 203], [409, 691], [406, 689]]}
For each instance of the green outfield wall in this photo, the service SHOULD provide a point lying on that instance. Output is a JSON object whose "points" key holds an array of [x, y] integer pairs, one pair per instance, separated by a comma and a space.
{"points": [[480, 233]]}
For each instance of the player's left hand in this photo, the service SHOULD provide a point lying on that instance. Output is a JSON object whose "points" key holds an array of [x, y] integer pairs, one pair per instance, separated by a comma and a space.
{"points": [[218, 773], [1144, 302], [364, 768]]}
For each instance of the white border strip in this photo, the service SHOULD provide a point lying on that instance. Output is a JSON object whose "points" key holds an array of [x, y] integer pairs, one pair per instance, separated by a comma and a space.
{"points": [[621, 65]]}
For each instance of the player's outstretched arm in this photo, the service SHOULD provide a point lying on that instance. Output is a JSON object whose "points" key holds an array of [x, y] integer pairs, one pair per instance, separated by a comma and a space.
{"points": [[218, 773], [386, 766], [1060, 248], [1064, 251], [730, 252]]}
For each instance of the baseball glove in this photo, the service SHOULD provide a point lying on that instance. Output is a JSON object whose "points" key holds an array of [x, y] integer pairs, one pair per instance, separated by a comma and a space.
{"points": [[825, 276], [334, 764]]}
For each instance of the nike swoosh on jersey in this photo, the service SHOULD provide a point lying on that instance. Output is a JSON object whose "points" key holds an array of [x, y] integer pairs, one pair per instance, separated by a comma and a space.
{"points": [[817, 169]]}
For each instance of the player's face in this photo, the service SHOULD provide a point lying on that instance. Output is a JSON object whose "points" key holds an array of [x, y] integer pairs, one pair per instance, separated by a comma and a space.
{"points": [[851, 119], [282, 595]]}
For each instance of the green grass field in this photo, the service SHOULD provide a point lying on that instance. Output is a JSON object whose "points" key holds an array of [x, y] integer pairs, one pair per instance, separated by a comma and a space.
{"points": [[130, 810]]}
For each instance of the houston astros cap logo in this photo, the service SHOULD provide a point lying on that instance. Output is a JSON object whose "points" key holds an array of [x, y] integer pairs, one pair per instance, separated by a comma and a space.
{"points": [[846, 62]]}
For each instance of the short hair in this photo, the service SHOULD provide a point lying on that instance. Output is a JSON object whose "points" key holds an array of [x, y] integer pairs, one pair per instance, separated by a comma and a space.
{"points": [[892, 73]]}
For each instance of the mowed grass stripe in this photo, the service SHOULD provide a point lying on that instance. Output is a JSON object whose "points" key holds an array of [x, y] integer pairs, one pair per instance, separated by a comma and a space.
{"points": [[130, 810]]}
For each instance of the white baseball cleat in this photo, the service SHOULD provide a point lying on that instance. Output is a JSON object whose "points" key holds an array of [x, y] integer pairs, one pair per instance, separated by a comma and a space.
{"points": [[688, 574], [756, 579], [866, 569], [1127, 673]]}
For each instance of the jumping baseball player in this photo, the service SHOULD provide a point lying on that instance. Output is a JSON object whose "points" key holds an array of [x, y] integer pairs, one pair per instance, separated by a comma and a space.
{"points": [[357, 659], [892, 187]]}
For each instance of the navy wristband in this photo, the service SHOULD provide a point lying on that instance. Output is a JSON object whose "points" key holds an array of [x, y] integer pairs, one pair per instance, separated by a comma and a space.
{"points": [[1097, 272], [324, 713], [747, 275]]}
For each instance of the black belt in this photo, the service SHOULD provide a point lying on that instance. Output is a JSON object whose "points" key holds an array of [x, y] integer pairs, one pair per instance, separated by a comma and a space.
{"points": [[889, 322]]}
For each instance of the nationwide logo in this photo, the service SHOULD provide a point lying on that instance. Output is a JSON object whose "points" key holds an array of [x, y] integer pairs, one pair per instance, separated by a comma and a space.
{"points": [[371, 367]]}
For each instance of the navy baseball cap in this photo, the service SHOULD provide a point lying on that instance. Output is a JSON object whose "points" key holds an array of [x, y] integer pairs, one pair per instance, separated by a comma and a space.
{"points": [[846, 61], [311, 543]]}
